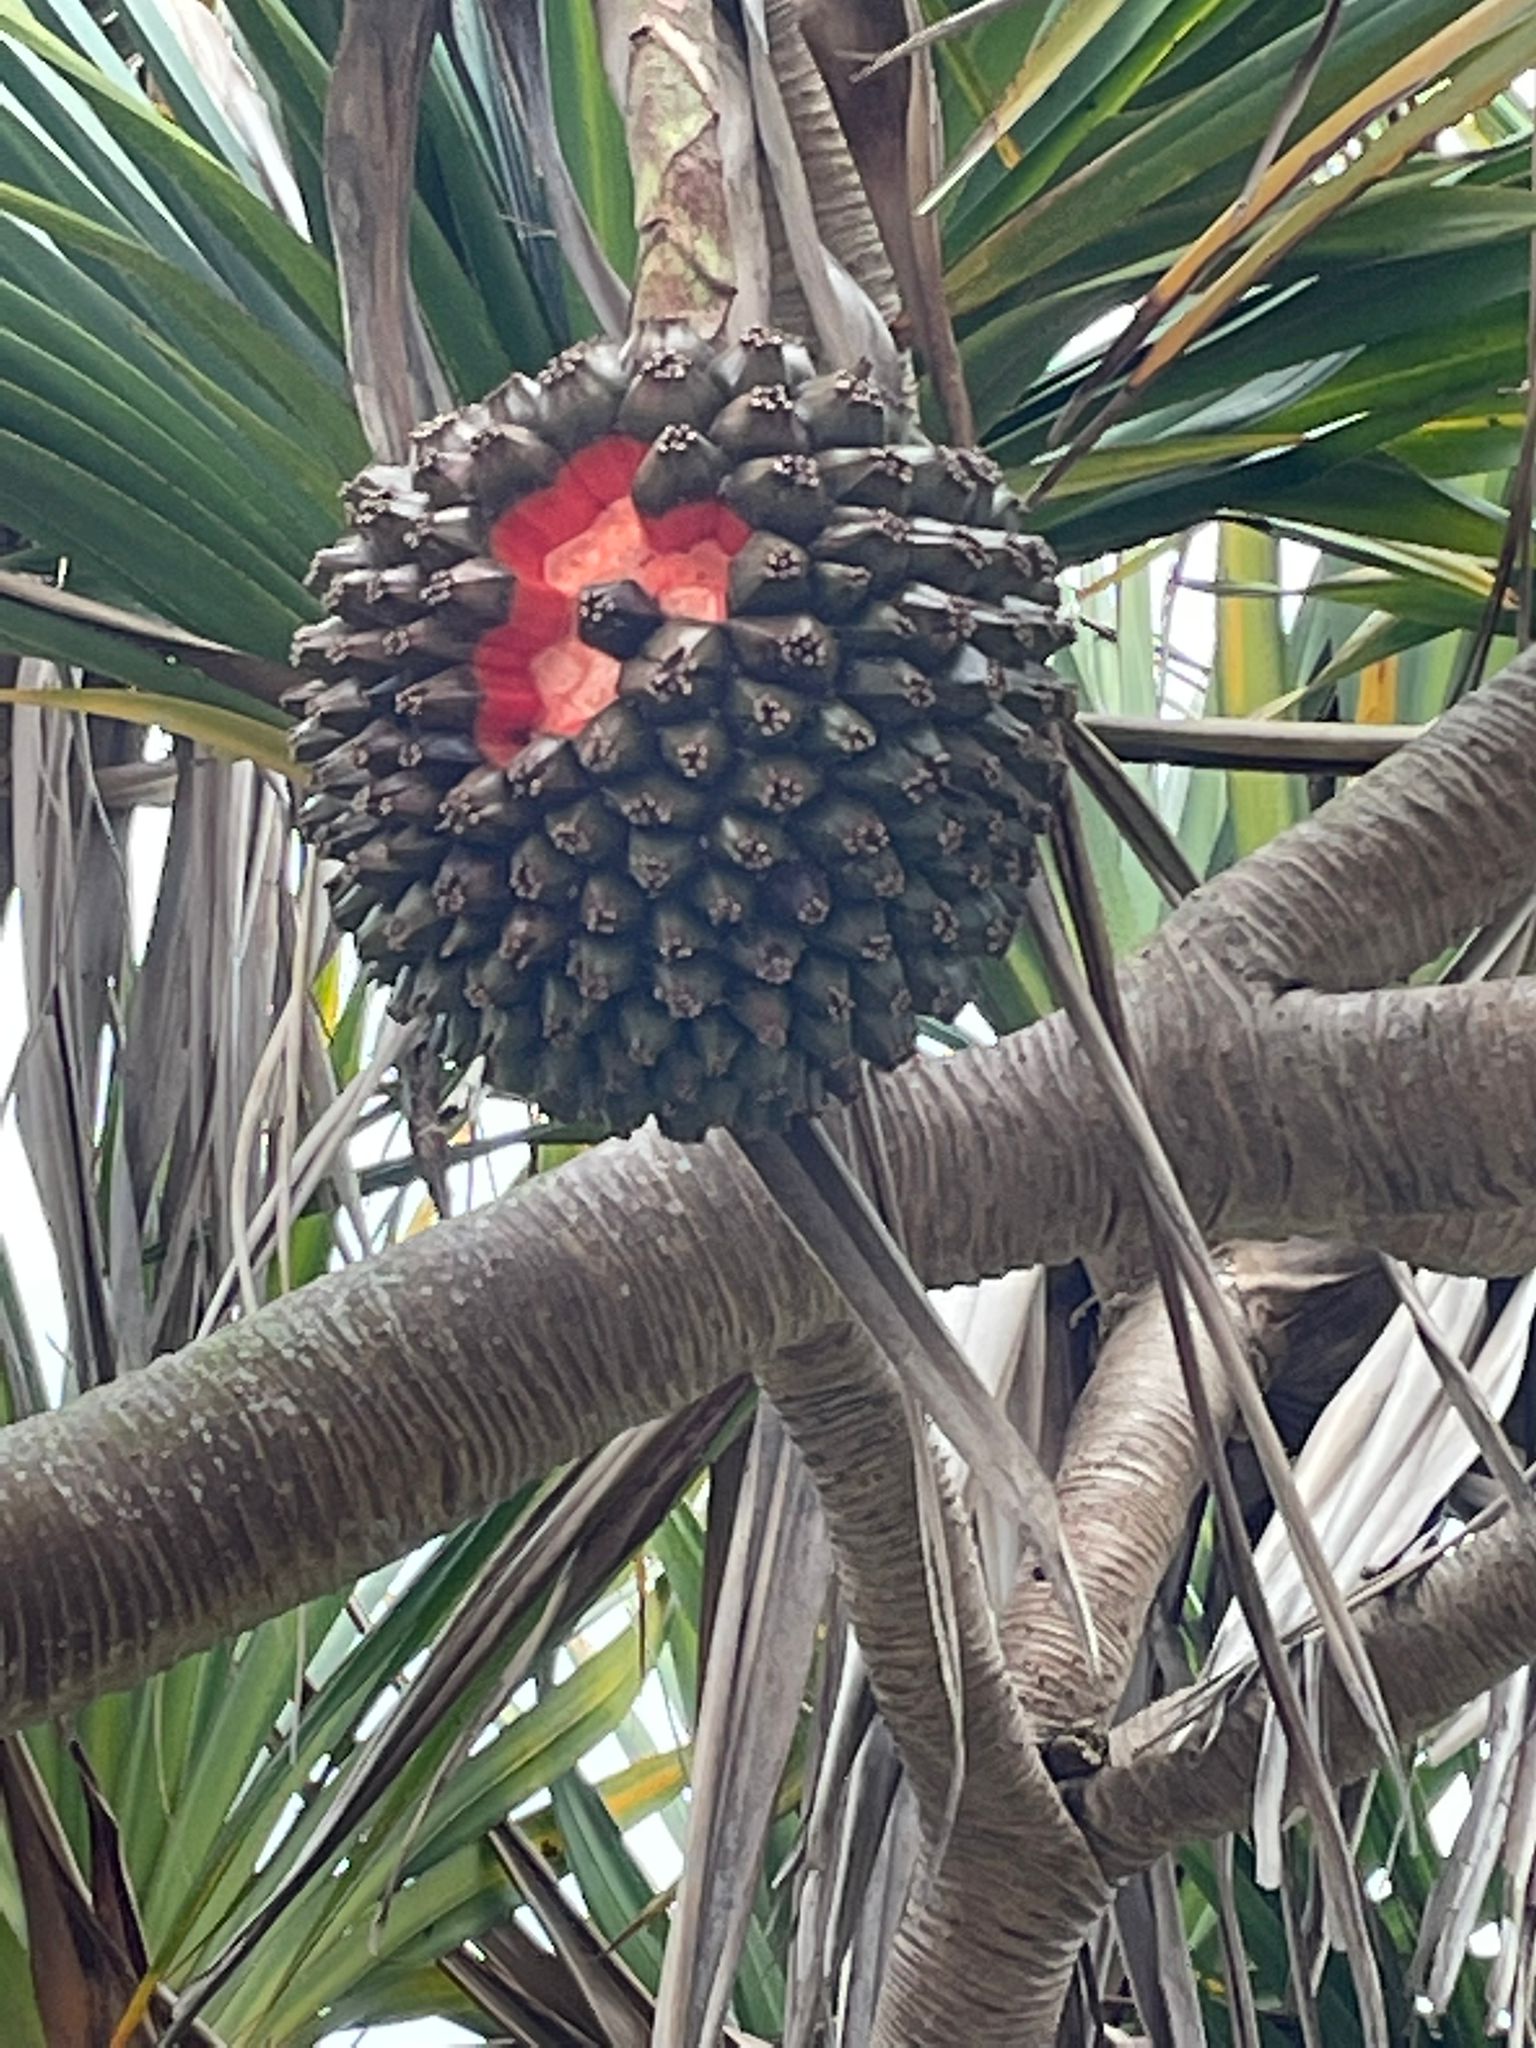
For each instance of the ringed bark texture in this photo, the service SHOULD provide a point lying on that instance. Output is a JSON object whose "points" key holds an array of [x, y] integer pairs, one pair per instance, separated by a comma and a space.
{"points": [[338, 1428], [1131, 1468], [1005, 1887], [1438, 1634], [333, 1431]]}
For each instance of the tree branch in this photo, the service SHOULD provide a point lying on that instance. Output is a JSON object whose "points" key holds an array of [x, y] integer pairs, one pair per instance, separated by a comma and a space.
{"points": [[1413, 857], [997, 1841], [1368, 1083], [1131, 1468], [334, 1430], [1438, 1634]]}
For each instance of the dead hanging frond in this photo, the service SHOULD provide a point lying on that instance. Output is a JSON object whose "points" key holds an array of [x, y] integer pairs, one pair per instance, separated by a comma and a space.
{"points": [[1149, 1922], [69, 871], [1388, 1449], [1503, 1792], [773, 1594], [82, 1976], [517, 36], [890, 117], [1463, 1394], [371, 118], [844, 214], [85, 1941], [853, 1788], [833, 239]]}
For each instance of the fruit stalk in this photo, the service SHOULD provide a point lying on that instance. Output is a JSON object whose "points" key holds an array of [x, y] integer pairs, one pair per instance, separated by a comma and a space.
{"points": [[672, 99]]}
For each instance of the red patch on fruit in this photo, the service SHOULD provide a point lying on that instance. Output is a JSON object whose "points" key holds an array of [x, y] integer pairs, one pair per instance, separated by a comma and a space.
{"points": [[688, 526], [535, 675], [607, 468]]}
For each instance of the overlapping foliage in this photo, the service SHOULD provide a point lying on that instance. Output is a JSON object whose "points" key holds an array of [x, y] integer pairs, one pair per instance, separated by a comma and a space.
{"points": [[1342, 367]]}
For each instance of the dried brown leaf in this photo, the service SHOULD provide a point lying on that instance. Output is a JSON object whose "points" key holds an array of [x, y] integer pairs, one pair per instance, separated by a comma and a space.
{"points": [[82, 1979], [370, 177], [772, 1597], [890, 119]]}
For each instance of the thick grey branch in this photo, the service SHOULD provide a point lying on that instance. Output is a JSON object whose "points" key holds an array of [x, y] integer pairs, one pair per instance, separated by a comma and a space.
{"points": [[1363, 1083], [1005, 1887], [289, 1452], [1426, 847], [1129, 1473], [1404, 1118], [1131, 1467], [338, 1429], [1438, 1636]]}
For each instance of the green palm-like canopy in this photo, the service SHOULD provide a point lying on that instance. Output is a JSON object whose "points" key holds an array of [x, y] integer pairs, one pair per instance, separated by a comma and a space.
{"points": [[1236, 292]]}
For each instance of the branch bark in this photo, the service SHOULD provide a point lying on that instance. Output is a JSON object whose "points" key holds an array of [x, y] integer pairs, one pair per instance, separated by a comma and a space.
{"points": [[1438, 1634], [995, 1834], [1417, 854], [341, 1426], [1131, 1468], [337, 1429]]}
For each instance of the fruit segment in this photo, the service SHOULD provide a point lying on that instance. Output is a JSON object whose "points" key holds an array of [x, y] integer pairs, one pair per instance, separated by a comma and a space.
{"points": [[535, 675]]}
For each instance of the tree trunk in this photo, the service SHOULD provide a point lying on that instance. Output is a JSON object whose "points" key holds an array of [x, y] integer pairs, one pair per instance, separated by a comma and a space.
{"points": [[339, 1427]]}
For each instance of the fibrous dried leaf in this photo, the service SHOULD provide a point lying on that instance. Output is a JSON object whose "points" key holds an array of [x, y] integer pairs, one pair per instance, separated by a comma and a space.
{"points": [[890, 118], [370, 173], [772, 1598], [518, 32]]}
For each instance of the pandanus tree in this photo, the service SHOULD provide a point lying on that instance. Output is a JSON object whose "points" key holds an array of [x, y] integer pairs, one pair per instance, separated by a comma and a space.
{"points": [[682, 729]]}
